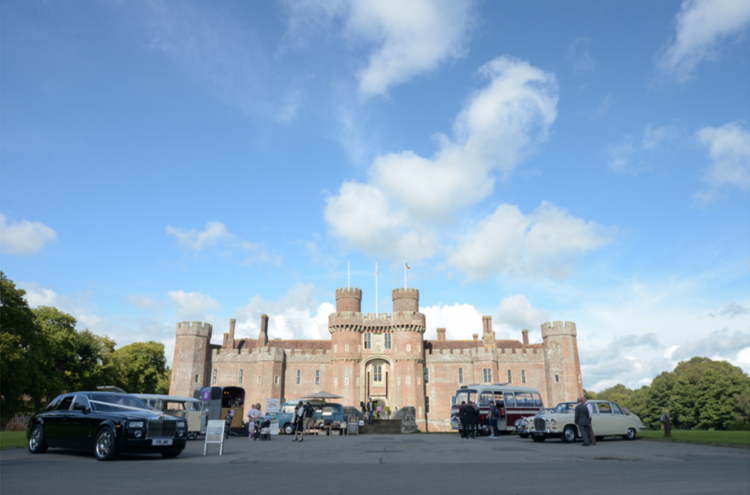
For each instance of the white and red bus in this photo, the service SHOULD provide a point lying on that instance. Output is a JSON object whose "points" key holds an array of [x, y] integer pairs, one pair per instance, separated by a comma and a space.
{"points": [[513, 402]]}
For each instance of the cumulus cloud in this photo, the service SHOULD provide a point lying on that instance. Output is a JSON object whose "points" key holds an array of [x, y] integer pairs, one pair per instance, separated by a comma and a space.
{"points": [[192, 305], [517, 313], [216, 235], [721, 344], [729, 149], [543, 242], [24, 237], [500, 124], [298, 315], [623, 360], [460, 321], [701, 26], [410, 38]]}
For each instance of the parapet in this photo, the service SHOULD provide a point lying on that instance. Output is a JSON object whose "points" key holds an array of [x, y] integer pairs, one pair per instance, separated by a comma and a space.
{"points": [[405, 300], [197, 329], [349, 299], [567, 328]]}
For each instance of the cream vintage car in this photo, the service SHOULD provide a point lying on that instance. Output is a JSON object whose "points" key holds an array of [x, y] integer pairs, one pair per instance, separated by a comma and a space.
{"points": [[609, 419]]}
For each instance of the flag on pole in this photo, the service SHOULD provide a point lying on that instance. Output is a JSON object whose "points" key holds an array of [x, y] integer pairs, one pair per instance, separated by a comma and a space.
{"points": [[407, 265]]}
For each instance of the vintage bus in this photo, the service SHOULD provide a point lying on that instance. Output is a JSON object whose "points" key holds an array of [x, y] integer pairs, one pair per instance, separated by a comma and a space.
{"points": [[513, 402]]}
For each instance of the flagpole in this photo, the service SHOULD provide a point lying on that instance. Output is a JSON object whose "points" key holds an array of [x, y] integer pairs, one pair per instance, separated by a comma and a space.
{"points": [[348, 276], [376, 289], [405, 275]]}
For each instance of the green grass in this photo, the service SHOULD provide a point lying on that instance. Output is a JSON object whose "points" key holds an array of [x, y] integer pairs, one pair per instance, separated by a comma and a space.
{"points": [[10, 439], [701, 436]]}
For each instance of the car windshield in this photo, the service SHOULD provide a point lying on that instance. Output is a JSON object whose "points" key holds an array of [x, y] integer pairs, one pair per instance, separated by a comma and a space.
{"points": [[565, 407], [116, 402], [194, 406], [465, 396]]}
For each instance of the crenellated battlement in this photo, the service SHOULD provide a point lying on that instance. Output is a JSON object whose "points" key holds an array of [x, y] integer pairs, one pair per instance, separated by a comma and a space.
{"points": [[558, 328], [348, 299], [401, 292], [350, 321], [405, 300], [197, 329]]}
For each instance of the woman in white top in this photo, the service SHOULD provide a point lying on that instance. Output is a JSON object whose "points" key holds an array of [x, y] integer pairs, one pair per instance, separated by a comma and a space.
{"points": [[253, 416], [299, 413]]}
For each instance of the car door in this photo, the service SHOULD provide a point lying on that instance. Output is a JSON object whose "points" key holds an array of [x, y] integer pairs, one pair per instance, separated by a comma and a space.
{"points": [[620, 422], [55, 423], [604, 424], [82, 423]]}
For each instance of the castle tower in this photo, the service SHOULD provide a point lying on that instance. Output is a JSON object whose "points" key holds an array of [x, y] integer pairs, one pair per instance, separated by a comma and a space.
{"points": [[561, 364], [349, 299], [408, 327], [191, 358], [346, 344]]}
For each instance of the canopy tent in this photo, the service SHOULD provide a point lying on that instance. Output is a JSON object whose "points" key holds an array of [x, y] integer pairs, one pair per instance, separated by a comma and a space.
{"points": [[323, 396]]}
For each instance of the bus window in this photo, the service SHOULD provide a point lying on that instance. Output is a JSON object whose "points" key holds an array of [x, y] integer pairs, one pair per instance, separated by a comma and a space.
{"points": [[523, 399], [175, 406], [486, 398], [537, 400], [509, 400], [466, 396]]}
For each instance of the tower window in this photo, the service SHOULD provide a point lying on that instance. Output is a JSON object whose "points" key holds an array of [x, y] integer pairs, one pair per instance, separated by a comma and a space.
{"points": [[213, 380], [523, 376], [368, 341], [487, 375], [426, 405], [387, 341], [427, 376], [317, 377], [510, 376], [299, 377], [557, 378], [377, 373], [276, 380], [460, 375], [196, 378], [258, 379], [174, 377], [242, 376]]}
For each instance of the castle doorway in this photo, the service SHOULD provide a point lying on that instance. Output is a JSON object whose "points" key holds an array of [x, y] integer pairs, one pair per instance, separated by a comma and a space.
{"points": [[377, 372]]}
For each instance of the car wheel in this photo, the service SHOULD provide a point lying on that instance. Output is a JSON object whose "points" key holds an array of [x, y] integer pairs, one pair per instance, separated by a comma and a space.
{"points": [[523, 435], [288, 429], [171, 455], [104, 449], [569, 434], [37, 445], [630, 435], [538, 438], [192, 435]]}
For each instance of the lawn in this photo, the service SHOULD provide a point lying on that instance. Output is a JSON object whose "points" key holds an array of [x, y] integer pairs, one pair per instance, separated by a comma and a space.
{"points": [[10, 439], [701, 436]]}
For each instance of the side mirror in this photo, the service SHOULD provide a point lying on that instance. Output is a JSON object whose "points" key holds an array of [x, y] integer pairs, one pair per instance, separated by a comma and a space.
{"points": [[86, 410]]}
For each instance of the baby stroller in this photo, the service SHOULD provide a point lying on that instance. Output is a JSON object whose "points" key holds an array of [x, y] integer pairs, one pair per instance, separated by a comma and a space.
{"points": [[265, 429]]}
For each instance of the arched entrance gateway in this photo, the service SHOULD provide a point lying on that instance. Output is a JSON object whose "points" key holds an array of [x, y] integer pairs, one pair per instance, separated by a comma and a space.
{"points": [[376, 376]]}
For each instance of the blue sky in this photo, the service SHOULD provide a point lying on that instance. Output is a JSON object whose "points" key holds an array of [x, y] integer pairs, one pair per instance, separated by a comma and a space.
{"points": [[580, 161]]}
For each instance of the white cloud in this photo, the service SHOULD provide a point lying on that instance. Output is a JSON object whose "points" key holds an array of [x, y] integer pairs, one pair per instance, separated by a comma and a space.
{"points": [[24, 237], [701, 25], [627, 155], [193, 305], [516, 313], [217, 235], [578, 54], [541, 243], [729, 149], [142, 302], [411, 38], [500, 124], [720, 343], [298, 315], [461, 321]]}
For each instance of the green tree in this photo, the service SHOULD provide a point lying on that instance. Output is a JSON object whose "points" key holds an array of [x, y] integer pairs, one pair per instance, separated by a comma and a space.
{"points": [[639, 401], [743, 409], [96, 362], [143, 367], [60, 336], [21, 348], [659, 398], [682, 404], [715, 401]]}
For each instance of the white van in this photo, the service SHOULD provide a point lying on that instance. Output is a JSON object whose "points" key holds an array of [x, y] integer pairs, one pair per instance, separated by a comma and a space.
{"points": [[182, 407], [513, 402]]}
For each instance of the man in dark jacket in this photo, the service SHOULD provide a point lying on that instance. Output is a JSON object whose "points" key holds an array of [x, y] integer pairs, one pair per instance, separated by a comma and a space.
{"points": [[582, 420], [472, 417], [462, 418]]}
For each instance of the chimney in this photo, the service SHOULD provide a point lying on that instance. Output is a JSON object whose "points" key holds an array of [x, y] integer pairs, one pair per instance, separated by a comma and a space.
{"points": [[525, 336], [230, 344], [488, 336], [476, 337], [263, 336], [441, 334]]}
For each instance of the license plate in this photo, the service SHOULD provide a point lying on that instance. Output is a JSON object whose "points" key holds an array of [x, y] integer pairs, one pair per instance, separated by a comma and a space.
{"points": [[161, 441]]}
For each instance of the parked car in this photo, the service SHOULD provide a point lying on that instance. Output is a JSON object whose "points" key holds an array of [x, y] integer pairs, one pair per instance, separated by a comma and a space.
{"points": [[523, 425], [609, 419], [107, 424]]}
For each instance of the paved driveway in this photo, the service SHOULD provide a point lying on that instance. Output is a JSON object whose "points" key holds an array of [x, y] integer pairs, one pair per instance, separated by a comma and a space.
{"points": [[409, 464]]}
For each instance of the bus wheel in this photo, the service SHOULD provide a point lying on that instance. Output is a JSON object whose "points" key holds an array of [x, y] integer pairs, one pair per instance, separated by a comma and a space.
{"points": [[288, 429], [192, 435]]}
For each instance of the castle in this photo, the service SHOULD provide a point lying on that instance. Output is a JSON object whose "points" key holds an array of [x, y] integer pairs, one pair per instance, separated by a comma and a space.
{"points": [[380, 356]]}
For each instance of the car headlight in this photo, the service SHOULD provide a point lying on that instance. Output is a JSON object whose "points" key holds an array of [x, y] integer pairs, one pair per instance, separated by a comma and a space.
{"points": [[138, 434], [135, 424], [553, 422], [182, 425]]}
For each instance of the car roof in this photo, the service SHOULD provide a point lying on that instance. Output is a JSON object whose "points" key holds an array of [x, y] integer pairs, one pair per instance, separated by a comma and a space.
{"points": [[174, 398]]}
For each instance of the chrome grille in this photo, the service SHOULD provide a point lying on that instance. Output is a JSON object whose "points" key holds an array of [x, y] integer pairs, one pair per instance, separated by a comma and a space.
{"points": [[540, 424], [161, 428]]}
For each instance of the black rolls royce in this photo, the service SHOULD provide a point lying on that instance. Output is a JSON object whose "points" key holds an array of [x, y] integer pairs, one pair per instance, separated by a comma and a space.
{"points": [[106, 423]]}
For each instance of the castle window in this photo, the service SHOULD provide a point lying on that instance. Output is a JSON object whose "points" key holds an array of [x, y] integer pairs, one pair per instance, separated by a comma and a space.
{"points": [[335, 382], [368, 341], [346, 381], [213, 380], [426, 405], [487, 375], [258, 379], [335, 348], [276, 379], [299, 377], [523, 376], [387, 341], [174, 377], [460, 375], [408, 347], [510, 376], [242, 376], [408, 380], [557, 378], [427, 376], [346, 348], [196, 378], [317, 377], [377, 373]]}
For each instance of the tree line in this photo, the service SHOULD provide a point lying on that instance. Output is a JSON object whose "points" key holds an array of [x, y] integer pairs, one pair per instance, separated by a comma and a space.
{"points": [[42, 355], [699, 394]]}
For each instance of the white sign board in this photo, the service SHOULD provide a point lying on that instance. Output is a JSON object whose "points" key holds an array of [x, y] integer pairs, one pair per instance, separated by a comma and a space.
{"points": [[275, 427], [273, 405], [215, 434]]}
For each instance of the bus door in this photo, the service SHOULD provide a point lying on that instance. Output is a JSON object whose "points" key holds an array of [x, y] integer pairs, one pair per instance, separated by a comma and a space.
{"points": [[502, 421]]}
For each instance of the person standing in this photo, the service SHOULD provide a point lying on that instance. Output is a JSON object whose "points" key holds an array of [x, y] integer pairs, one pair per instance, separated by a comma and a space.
{"points": [[254, 415], [370, 411], [299, 414], [592, 437], [494, 416], [309, 415], [462, 418], [472, 414], [582, 420], [667, 424]]}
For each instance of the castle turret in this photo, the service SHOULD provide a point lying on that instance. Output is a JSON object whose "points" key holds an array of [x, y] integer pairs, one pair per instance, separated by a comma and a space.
{"points": [[408, 343], [405, 300], [191, 358], [561, 363], [349, 299]]}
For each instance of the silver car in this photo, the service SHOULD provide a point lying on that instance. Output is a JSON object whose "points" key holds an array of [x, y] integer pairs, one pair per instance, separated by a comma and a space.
{"points": [[608, 419]]}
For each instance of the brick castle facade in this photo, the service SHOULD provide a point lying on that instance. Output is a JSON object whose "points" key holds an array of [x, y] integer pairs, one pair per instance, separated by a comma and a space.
{"points": [[382, 356]]}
